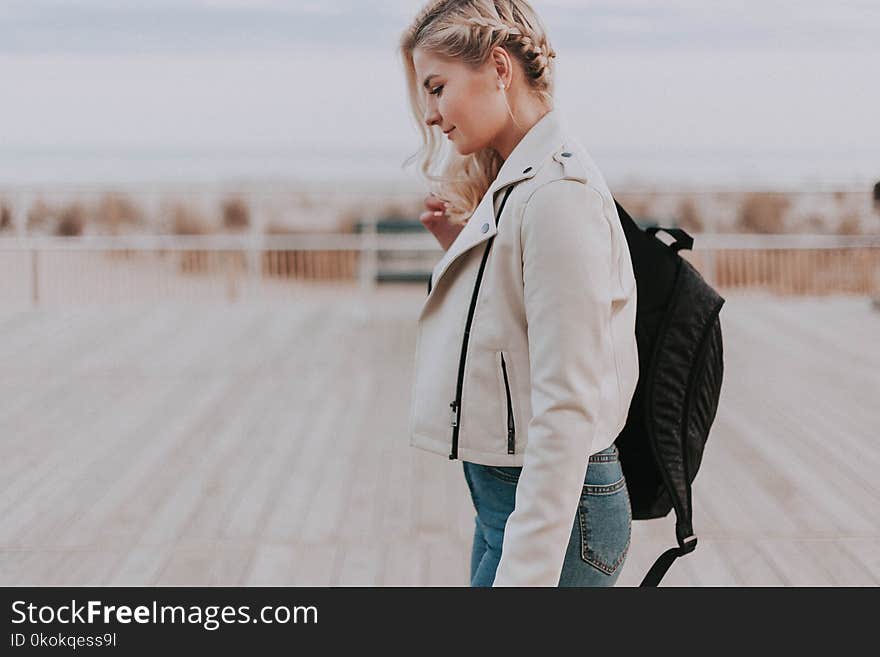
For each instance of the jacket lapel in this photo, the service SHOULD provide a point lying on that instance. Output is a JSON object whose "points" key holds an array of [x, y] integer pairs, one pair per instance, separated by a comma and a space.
{"points": [[527, 157], [479, 228]]}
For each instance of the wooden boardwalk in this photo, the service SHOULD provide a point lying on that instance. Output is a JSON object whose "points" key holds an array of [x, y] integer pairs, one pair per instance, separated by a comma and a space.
{"points": [[265, 444]]}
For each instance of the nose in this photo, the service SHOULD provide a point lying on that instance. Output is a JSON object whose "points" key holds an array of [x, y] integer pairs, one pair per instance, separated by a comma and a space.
{"points": [[432, 117]]}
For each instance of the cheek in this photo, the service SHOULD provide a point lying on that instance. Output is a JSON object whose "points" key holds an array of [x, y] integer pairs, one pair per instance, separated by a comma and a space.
{"points": [[481, 107], [467, 110]]}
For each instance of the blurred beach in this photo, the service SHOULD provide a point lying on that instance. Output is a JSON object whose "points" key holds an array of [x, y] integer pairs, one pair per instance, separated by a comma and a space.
{"points": [[337, 206]]}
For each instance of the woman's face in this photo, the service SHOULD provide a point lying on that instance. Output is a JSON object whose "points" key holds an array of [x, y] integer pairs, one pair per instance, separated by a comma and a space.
{"points": [[465, 103]]}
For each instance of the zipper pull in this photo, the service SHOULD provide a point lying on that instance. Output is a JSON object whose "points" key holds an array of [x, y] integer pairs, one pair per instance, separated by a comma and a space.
{"points": [[454, 419]]}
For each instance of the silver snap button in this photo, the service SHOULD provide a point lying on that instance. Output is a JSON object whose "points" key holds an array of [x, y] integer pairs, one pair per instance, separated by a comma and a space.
{"points": [[485, 228]]}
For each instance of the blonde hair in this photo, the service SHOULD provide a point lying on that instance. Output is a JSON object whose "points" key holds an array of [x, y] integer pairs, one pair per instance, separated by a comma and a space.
{"points": [[468, 30]]}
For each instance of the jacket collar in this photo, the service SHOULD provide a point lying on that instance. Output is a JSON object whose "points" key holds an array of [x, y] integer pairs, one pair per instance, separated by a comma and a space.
{"points": [[541, 141], [526, 159]]}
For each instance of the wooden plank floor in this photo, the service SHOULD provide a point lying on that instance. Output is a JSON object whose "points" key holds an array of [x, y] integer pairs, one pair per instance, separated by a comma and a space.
{"points": [[265, 444]]}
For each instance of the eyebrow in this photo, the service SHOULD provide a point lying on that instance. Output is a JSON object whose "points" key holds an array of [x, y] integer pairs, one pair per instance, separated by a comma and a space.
{"points": [[427, 81]]}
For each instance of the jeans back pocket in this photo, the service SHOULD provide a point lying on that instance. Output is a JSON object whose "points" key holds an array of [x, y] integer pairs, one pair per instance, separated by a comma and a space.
{"points": [[605, 516]]}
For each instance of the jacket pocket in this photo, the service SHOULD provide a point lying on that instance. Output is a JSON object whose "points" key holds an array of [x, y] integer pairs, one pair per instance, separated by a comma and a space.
{"points": [[510, 423]]}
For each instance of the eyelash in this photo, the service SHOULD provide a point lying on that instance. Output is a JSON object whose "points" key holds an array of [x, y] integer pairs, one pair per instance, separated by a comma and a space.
{"points": [[435, 92]]}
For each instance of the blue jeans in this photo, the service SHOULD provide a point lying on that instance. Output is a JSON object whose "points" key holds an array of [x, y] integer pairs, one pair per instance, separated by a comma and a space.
{"points": [[601, 528]]}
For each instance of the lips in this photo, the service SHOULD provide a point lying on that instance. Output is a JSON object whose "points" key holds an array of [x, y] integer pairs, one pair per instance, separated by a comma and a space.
{"points": [[446, 132]]}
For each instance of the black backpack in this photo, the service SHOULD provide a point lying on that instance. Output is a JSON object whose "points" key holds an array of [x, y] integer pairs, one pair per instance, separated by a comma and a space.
{"points": [[678, 332]]}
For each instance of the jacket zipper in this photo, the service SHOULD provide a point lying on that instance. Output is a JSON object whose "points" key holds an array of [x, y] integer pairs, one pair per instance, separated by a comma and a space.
{"points": [[456, 403], [511, 430]]}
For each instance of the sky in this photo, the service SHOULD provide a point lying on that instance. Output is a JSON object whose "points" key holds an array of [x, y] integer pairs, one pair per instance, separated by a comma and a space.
{"points": [[679, 91]]}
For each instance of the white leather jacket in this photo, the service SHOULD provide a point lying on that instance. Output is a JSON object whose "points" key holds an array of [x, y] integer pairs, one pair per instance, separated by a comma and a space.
{"points": [[526, 353]]}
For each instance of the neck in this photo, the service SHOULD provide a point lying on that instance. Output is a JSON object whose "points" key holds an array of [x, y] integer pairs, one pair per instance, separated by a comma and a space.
{"points": [[526, 117]]}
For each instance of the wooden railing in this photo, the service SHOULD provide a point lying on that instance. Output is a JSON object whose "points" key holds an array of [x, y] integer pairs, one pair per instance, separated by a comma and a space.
{"points": [[38, 269], [789, 264]]}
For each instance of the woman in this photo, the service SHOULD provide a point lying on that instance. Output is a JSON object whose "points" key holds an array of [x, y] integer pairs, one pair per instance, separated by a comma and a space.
{"points": [[526, 359]]}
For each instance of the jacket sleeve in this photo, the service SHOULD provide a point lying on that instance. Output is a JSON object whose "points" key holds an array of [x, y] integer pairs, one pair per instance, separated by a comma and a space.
{"points": [[566, 260]]}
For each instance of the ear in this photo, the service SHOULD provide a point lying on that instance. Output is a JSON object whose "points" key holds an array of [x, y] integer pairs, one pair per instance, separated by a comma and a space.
{"points": [[503, 65]]}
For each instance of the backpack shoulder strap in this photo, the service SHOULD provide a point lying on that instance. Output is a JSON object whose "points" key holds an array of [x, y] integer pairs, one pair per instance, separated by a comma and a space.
{"points": [[687, 541]]}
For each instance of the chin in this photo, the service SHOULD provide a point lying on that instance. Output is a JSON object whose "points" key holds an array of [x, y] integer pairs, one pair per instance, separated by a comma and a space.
{"points": [[463, 149], [469, 148]]}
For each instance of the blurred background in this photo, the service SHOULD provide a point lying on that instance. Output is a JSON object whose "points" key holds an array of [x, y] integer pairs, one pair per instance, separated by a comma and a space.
{"points": [[211, 266]]}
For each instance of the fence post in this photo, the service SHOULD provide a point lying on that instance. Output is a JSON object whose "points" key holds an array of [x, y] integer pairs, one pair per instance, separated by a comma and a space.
{"points": [[229, 259], [369, 255], [253, 262], [709, 266]]}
